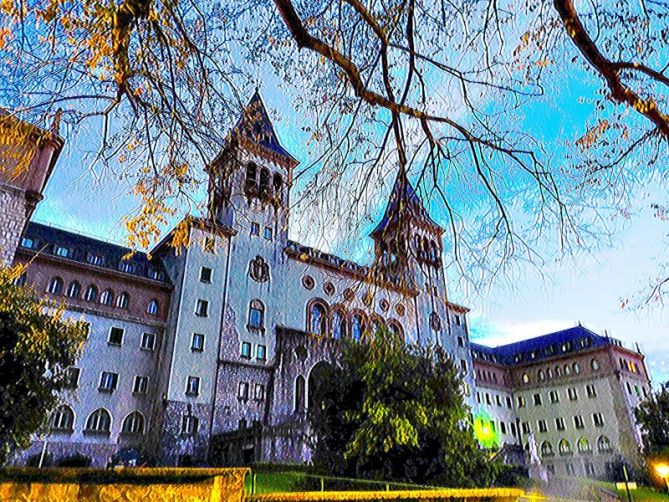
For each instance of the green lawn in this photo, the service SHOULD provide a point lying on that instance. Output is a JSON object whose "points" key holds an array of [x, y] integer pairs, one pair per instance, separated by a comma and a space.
{"points": [[274, 482], [289, 481]]}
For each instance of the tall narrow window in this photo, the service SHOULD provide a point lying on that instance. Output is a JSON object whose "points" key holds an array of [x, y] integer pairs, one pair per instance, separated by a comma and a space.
{"points": [[251, 178], [318, 318], [74, 290], [91, 294], [357, 327], [123, 300], [265, 188], [55, 286], [256, 314], [299, 394], [338, 323], [277, 181], [202, 308], [152, 308]]}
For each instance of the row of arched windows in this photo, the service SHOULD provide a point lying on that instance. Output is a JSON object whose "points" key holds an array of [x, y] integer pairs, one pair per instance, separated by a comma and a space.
{"points": [[566, 370], [426, 250], [262, 183], [582, 445], [62, 419], [107, 297], [339, 324]]}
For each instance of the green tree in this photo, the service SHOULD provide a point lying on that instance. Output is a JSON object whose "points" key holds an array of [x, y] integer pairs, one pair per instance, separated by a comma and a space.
{"points": [[653, 416], [37, 345], [395, 411]]}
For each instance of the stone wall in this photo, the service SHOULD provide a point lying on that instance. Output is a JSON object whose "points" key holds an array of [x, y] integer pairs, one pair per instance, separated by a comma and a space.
{"points": [[13, 218]]}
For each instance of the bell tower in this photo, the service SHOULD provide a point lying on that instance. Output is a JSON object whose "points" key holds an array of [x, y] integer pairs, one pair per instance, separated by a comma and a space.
{"points": [[407, 242], [249, 180]]}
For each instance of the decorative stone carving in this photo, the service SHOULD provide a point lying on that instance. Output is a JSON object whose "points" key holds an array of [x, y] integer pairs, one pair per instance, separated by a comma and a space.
{"points": [[329, 288], [259, 269], [308, 282]]}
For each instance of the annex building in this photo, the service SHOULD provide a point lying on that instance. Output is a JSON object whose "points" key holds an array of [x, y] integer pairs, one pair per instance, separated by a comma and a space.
{"points": [[210, 352]]}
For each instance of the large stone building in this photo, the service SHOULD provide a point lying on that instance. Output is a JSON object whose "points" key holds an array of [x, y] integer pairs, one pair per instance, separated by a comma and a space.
{"points": [[211, 350], [574, 390]]}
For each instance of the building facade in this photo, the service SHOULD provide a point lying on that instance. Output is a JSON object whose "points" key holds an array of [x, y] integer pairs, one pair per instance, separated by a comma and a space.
{"points": [[574, 390], [210, 351]]}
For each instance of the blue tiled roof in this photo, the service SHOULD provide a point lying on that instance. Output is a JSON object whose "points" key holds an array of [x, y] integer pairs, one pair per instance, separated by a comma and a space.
{"points": [[255, 124], [82, 249], [545, 346], [403, 196]]}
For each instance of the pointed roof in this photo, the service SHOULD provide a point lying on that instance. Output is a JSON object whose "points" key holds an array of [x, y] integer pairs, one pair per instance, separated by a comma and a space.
{"points": [[255, 127], [404, 199]]}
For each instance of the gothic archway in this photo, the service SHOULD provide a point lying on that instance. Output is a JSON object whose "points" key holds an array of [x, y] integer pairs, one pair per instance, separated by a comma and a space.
{"points": [[318, 376]]}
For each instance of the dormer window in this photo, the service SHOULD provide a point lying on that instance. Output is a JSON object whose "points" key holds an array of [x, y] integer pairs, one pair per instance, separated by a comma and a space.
{"points": [[156, 275], [94, 259], [61, 251], [126, 266]]}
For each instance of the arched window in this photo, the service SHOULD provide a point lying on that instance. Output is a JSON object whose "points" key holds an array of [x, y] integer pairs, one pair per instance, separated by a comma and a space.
{"points": [[583, 446], [377, 324], [547, 449], [107, 297], [277, 182], [603, 444], [338, 324], [73, 290], [299, 394], [396, 328], [123, 300], [357, 326], [558, 371], [91, 293], [417, 243], [318, 318], [62, 418], [99, 421], [567, 369], [576, 368], [256, 314], [134, 423], [152, 308], [251, 178], [265, 189], [565, 447], [526, 378], [594, 364], [55, 286], [541, 375], [433, 251]]}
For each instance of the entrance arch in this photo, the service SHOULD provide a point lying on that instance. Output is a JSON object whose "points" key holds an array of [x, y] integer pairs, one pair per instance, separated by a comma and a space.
{"points": [[318, 375]]}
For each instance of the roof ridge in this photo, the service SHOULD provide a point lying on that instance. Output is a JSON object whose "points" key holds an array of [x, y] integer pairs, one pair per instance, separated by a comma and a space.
{"points": [[80, 233]]}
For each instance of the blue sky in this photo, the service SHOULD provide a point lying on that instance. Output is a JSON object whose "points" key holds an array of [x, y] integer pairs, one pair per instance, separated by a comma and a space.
{"points": [[585, 288]]}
